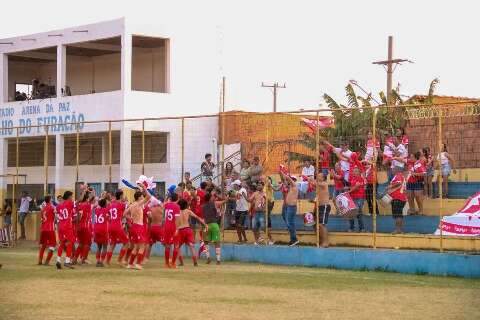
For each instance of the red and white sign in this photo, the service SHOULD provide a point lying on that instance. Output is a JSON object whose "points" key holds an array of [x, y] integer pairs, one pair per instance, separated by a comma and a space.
{"points": [[465, 222], [322, 123]]}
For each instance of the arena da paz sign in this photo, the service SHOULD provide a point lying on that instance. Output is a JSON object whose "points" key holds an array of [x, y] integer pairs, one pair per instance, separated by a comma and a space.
{"points": [[32, 118]]}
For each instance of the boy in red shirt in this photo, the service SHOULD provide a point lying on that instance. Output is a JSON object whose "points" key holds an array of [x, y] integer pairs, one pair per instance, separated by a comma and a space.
{"points": [[396, 190], [100, 230], [47, 231], [172, 210], [66, 236], [116, 234], [357, 192]]}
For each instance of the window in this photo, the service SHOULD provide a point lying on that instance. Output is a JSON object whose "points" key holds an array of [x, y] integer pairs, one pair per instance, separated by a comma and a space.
{"points": [[93, 149], [31, 152], [150, 64], [155, 147], [23, 91]]}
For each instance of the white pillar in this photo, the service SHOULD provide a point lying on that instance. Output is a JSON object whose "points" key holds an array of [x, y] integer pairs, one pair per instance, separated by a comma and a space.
{"points": [[126, 69], [3, 78], [60, 184], [125, 154], [61, 68]]}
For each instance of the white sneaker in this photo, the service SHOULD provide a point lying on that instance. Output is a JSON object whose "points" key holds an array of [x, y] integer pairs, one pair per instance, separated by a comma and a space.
{"points": [[293, 244], [129, 266], [271, 243], [255, 244], [137, 267]]}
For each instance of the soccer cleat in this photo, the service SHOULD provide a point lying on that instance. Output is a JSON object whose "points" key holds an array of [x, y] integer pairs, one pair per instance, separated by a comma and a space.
{"points": [[209, 260], [46, 263], [39, 263], [271, 243], [129, 266], [58, 265], [195, 264], [255, 243], [294, 243], [136, 266], [68, 265]]}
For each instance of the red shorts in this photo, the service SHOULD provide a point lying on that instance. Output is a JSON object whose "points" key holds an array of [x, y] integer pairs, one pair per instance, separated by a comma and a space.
{"points": [[117, 235], [66, 235], [168, 234], [184, 236], [100, 236], [47, 238], [137, 233], [156, 233], [84, 236]]}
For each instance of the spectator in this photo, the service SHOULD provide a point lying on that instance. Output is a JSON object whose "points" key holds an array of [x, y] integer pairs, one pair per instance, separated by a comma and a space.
{"points": [[446, 167], [372, 147], [396, 190], [308, 169], [207, 167], [259, 201], [245, 170], [344, 154], [402, 137], [230, 207], [428, 161], [187, 177], [415, 183], [23, 212], [324, 159], [323, 210], [290, 210], [400, 154], [357, 192], [229, 175], [371, 176], [256, 170], [241, 210], [7, 218]]}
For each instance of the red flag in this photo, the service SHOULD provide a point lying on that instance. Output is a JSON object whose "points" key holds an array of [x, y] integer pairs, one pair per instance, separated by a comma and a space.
{"points": [[322, 123]]}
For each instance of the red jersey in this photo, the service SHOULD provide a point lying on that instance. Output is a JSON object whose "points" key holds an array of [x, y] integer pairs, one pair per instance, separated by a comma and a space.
{"points": [[115, 214], [101, 219], [48, 218], [194, 204], [371, 178], [417, 167], [325, 158], [405, 141], [186, 196], [85, 211], [359, 193], [339, 185], [200, 202], [400, 193], [65, 212], [172, 210]]}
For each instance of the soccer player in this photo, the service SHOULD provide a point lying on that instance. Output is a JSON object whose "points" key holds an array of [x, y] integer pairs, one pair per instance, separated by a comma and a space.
{"points": [[100, 230], [184, 234], [116, 234], [137, 231], [212, 216], [84, 229], [65, 230], [172, 210], [156, 227], [47, 231]]}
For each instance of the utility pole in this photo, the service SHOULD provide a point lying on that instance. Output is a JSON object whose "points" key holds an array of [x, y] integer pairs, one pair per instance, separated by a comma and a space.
{"points": [[391, 65], [275, 86]]}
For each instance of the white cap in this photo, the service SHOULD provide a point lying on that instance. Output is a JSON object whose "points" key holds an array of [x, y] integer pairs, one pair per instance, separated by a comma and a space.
{"points": [[237, 182]]}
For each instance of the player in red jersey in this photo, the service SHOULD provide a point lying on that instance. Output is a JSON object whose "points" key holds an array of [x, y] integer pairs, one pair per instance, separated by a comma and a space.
{"points": [[137, 231], [172, 210], [146, 227], [84, 228], [47, 231], [65, 230], [116, 210], [100, 231], [184, 234]]}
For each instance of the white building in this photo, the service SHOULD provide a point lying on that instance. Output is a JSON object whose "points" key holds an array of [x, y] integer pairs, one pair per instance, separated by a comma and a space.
{"points": [[111, 70]]}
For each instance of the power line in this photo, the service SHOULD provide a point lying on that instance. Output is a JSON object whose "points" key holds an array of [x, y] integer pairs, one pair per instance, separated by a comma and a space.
{"points": [[275, 86]]}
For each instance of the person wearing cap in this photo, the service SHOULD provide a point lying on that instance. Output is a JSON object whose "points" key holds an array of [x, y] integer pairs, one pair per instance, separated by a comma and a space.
{"points": [[289, 212], [241, 210], [397, 190]]}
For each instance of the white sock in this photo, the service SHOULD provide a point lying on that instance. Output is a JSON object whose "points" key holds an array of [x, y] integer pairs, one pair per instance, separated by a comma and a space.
{"points": [[218, 253], [67, 259], [59, 259]]}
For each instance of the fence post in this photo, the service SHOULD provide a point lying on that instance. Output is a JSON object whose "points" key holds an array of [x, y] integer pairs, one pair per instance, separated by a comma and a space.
{"points": [[440, 177], [267, 211], [317, 186], [77, 153], [183, 150], [15, 179], [374, 173], [110, 153], [45, 161], [143, 146]]}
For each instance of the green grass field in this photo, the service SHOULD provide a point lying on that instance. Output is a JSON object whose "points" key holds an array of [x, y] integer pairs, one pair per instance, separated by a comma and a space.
{"points": [[230, 291]]}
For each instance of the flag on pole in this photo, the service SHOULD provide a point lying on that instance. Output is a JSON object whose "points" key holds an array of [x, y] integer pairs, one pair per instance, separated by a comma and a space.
{"points": [[321, 123]]}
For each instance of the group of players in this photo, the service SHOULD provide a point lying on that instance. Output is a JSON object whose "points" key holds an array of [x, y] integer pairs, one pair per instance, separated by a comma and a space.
{"points": [[108, 221]]}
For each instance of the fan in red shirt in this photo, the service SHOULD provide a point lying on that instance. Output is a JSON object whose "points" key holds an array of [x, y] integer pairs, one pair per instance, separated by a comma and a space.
{"points": [[396, 190], [415, 183], [116, 233], [47, 231], [357, 192], [201, 192], [172, 210], [65, 230], [84, 229], [324, 159], [100, 231]]}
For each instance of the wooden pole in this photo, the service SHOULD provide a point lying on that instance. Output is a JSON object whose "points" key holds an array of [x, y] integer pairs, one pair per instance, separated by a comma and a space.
{"points": [[45, 162], [317, 189], [110, 153], [77, 153], [222, 146], [14, 187], [374, 173], [143, 147], [267, 146], [440, 178], [183, 150]]}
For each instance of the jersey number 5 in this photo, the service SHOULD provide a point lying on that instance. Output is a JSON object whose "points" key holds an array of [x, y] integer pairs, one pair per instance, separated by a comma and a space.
{"points": [[169, 214]]}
